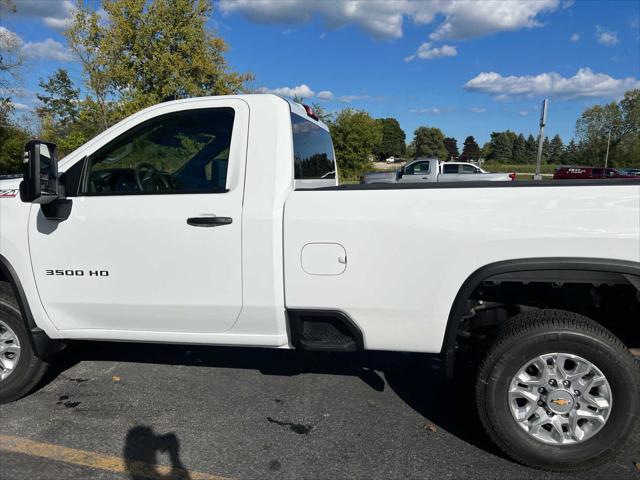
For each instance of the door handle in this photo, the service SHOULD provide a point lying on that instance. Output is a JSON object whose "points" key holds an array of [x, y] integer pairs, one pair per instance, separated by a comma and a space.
{"points": [[209, 221]]}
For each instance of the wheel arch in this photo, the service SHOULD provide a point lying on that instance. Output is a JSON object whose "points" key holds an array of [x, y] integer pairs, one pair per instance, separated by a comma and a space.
{"points": [[598, 267], [43, 346]]}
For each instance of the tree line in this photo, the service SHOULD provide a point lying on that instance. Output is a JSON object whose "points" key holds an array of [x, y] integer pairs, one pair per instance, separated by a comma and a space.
{"points": [[358, 138], [141, 52]]}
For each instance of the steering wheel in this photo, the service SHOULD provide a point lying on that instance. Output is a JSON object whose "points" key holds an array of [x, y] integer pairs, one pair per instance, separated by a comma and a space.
{"points": [[144, 173]]}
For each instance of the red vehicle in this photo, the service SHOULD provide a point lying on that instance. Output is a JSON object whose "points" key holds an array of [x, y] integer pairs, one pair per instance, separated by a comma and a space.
{"points": [[563, 173]]}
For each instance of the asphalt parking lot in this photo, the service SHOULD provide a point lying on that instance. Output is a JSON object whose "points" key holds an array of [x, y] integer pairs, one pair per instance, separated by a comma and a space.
{"points": [[119, 411]]}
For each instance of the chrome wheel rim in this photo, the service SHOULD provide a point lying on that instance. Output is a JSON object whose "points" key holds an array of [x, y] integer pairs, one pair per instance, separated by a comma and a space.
{"points": [[9, 351], [560, 398]]}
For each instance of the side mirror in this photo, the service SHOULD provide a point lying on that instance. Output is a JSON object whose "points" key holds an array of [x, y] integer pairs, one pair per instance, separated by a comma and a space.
{"points": [[40, 183], [400, 173]]}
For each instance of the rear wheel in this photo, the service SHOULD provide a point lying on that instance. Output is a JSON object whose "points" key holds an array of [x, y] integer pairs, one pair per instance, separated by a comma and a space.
{"points": [[558, 391], [20, 369]]}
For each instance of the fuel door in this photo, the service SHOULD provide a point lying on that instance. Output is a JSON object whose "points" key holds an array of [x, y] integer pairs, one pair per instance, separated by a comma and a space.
{"points": [[323, 258]]}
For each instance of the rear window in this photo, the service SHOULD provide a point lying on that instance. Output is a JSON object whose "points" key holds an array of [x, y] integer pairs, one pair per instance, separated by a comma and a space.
{"points": [[450, 168], [312, 150]]}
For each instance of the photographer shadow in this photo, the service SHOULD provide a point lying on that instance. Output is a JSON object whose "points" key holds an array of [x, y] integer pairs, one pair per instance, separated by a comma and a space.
{"points": [[141, 450]]}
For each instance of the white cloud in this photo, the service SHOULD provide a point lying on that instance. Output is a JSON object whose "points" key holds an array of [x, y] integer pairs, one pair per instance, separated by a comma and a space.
{"points": [[54, 13], [302, 91], [466, 20], [351, 98], [385, 19], [574, 38], [47, 50], [523, 113], [478, 109], [606, 37], [434, 110], [427, 52], [325, 95], [584, 84]]}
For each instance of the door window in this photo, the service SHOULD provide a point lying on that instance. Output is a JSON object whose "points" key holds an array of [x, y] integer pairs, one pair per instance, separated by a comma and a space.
{"points": [[418, 168], [468, 169], [182, 152], [449, 168]]}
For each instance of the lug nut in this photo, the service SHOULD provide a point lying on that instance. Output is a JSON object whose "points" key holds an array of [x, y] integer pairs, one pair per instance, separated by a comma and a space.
{"points": [[542, 390], [566, 383], [577, 406], [540, 402], [552, 382], [576, 393]]}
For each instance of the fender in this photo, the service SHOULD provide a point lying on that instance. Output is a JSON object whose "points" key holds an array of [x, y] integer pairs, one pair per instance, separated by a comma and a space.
{"points": [[43, 346], [558, 265]]}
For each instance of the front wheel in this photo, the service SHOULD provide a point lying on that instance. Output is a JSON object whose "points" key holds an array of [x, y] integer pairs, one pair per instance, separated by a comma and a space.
{"points": [[558, 391], [20, 369]]}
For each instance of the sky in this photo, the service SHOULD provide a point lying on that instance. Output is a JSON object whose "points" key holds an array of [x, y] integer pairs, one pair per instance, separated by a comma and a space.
{"points": [[466, 67]]}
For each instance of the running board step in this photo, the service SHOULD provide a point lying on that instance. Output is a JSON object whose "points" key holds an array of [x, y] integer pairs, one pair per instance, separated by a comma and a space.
{"points": [[325, 331], [327, 342]]}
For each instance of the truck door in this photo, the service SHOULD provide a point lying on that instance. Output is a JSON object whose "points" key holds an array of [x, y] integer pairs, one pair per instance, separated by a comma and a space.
{"points": [[153, 239], [417, 172]]}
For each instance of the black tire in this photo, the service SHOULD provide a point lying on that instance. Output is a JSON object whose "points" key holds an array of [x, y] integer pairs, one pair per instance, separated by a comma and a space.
{"points": [[546, 331], [30, 368]]}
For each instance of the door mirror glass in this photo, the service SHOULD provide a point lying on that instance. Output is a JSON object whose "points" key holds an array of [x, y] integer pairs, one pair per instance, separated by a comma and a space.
{"points": [[40, 183]]}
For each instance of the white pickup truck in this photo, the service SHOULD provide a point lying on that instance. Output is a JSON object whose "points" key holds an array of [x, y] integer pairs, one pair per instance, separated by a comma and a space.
{"points": [[433, 170], [220, 221]]}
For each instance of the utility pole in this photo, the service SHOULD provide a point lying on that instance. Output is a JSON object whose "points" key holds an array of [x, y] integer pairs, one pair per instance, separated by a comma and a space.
{"points": [[543, 122], [606, 158]]}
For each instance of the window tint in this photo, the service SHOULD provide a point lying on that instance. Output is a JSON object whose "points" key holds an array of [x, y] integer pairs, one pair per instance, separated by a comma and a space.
{"points": [[312, 150], [183, 152], [418, 168], [468, 169], [597, 172], [448, 168]]}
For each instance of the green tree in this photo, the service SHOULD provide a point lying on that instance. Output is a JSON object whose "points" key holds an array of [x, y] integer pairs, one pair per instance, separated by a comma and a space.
{"points": [[556, 150], [59, 100], [146, 51], [59, 111], [429, 142], [471, 150], [451, 144], [502, 146], [12, 140], [355, 136], [621, 120], [162, 48], [545, 150], [85, 37], [393, 139], [531, 148], [519, 152], [571, 153]]}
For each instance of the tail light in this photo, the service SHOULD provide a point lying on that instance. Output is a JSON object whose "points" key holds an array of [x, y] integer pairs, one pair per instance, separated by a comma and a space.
{"points": [[512, 176], [310, 112]]}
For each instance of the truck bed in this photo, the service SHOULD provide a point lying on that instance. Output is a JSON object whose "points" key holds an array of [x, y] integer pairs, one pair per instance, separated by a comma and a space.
{"points": [[429, 238]]}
